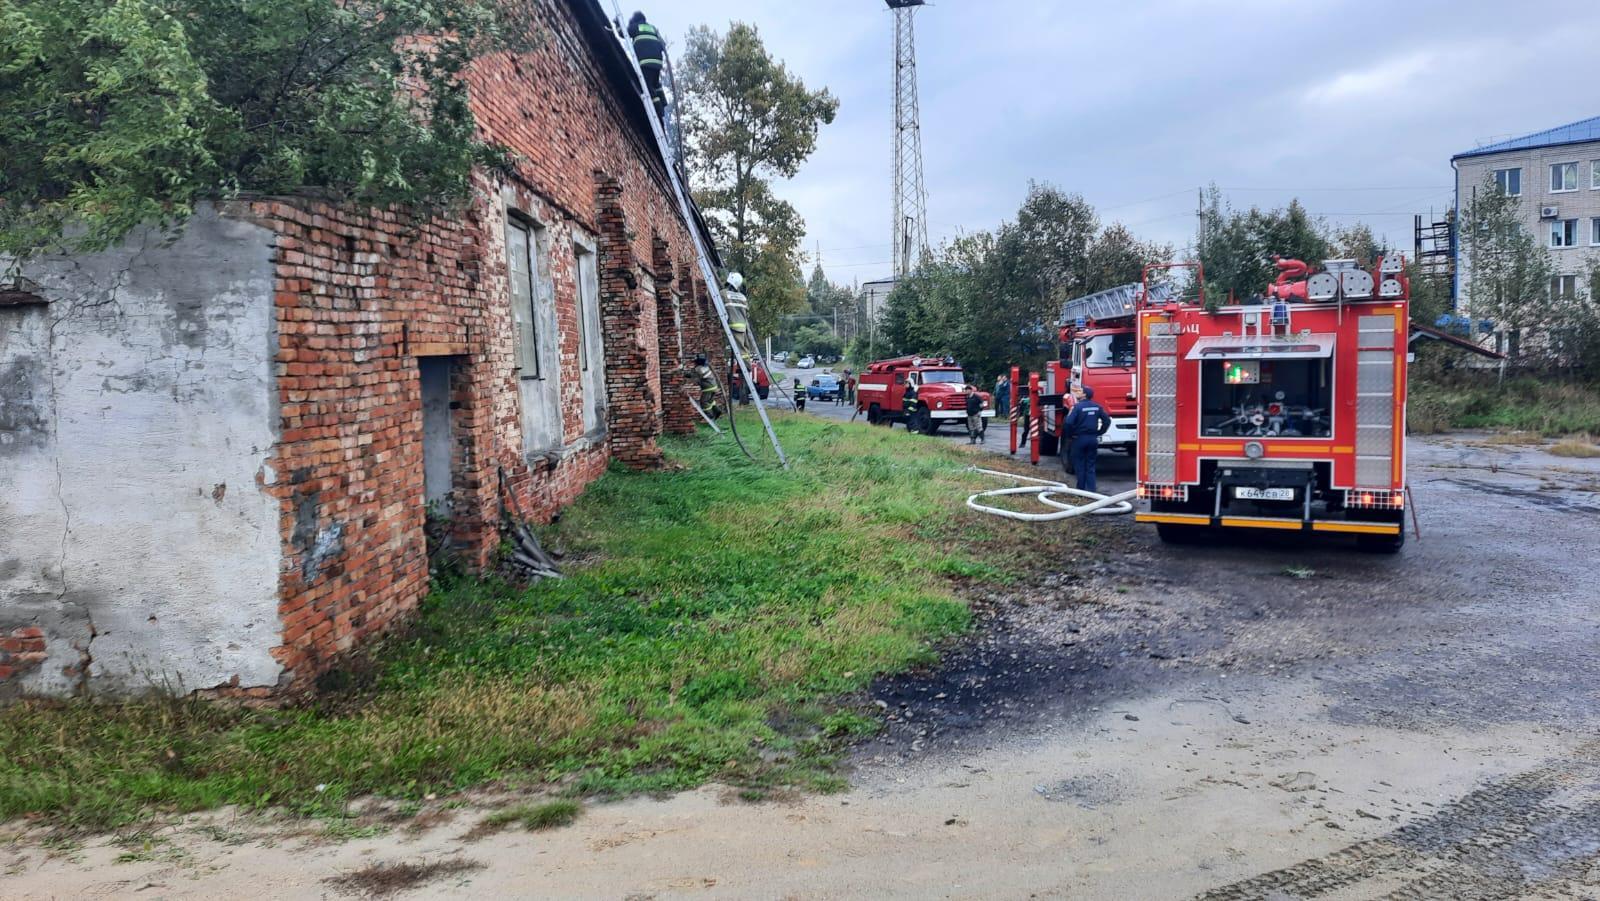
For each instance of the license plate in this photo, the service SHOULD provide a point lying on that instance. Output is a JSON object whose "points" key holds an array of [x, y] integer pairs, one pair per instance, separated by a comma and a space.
{"points": [[1264, 494]]}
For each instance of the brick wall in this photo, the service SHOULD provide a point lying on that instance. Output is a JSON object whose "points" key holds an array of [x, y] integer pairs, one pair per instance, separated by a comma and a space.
{"points": [[361, 294]]}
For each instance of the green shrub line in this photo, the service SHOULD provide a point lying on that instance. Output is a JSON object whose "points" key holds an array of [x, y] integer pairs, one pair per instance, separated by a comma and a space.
{"points": [[727, 612]]}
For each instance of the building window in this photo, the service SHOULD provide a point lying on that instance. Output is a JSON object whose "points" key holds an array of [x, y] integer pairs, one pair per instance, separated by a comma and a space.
{"points": [[1594, 175], [591, 338], [1563, 177], [523, 245], [1564, 233], [1510, 181], [1563, 287]]}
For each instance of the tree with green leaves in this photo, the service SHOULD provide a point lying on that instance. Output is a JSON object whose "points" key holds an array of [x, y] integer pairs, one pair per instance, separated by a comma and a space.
{"points": [[1508, 271], [748, 120], [117, 113], [1237, 248], [994, 299]]}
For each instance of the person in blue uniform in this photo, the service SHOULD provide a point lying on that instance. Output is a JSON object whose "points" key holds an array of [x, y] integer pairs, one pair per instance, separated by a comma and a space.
{"points": [[1085, 424]]}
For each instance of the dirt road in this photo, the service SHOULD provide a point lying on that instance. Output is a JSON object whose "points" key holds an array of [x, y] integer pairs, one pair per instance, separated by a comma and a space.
{"points": [[1259, 720]]}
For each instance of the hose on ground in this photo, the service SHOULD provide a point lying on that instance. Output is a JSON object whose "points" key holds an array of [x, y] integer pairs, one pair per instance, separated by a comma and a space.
{"points": [[1042, 491]]}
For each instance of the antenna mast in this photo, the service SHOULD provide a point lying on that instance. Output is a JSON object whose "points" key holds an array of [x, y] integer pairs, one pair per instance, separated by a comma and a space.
{"points": [[910, 193]]}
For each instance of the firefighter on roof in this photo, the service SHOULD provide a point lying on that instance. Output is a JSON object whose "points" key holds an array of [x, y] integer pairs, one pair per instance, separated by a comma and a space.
{"points": [[708, 387], [652, 53], [1085, 424]]}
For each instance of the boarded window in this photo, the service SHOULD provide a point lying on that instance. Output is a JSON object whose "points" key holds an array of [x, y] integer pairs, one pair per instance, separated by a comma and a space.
{"points": [[521, 244]]}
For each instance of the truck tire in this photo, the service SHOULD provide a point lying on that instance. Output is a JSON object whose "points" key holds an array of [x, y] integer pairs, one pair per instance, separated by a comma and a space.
{"points": [[1382, 544], [1173, 533], [930, 426], [874, 414]]}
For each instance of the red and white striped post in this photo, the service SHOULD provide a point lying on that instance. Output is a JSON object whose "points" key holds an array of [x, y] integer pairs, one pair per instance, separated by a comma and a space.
{"points": [[1016, 394], [1036, 417]]}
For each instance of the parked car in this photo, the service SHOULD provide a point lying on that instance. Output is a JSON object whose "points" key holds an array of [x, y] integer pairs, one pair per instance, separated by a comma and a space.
{"points": [[807, 362], [780, 356], [823, 387]]}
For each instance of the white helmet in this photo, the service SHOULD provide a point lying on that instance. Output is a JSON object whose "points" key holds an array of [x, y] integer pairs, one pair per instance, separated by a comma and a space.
{"points": [[736, 281]]}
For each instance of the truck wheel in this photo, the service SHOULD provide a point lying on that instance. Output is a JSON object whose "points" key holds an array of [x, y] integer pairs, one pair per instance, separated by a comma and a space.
{"points": [[1172, 533], [930, 426], [874, 414], [1382, 544]]}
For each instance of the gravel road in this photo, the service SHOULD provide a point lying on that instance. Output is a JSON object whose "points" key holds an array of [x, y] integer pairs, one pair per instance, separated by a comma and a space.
{"points": [[1261, 719]]}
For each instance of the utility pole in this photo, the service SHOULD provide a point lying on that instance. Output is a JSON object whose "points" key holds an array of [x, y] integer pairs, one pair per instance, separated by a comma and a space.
{"points": [[910, 218]]}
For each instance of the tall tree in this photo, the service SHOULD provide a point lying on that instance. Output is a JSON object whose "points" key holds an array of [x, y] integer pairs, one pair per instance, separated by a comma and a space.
{"points": [[115, 113], [1508, 271], [748, 120]]}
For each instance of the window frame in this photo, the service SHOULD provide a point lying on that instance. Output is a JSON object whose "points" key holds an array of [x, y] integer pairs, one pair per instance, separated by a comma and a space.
{"points": [[1561, 227], [530, 363], [1554, 167], [1594, 231], [1594, 175], [1556, 285], [1502, 182]]}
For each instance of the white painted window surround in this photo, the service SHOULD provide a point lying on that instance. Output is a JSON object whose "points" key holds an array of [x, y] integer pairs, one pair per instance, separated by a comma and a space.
{"points": [[591, 338], [532, 299], [1564, 233]]}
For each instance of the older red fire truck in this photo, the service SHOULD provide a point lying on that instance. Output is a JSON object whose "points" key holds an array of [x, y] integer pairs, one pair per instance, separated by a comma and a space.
{"points": [[880, 393], [1282, 412]]}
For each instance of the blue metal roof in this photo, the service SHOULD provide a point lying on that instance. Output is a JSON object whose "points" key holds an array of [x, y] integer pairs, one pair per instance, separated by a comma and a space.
{"points": [[1575, 133]]}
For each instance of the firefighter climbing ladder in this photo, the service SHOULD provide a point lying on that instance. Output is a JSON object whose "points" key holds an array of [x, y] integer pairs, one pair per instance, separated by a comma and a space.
{"points": [[669, 154]]}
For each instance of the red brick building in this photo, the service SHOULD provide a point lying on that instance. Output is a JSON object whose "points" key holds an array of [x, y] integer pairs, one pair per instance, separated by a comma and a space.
{"points": [[379, 366]]}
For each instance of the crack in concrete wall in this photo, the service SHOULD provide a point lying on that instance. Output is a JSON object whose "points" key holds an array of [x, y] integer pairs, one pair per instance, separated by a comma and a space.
{"points": [[155, 385]]}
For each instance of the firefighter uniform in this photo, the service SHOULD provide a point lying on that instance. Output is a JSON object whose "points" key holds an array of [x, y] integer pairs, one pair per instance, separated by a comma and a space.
{"points": [[708, 388], [1084, 426], [909, 401], [651, 51]]}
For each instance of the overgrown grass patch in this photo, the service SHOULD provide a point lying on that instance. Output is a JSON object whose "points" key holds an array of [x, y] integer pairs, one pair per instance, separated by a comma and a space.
{"points": [[1544, 407], [725, 607], [1580, 447]]}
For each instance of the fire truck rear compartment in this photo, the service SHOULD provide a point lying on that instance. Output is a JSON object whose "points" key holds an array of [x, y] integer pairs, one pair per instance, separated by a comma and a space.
{"points": [[1310, 505]]}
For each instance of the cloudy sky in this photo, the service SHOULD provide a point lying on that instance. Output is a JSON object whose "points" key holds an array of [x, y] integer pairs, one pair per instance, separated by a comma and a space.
{"points": [[1355, 106]]}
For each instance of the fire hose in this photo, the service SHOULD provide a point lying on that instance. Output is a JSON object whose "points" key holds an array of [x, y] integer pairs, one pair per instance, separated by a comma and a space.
{"points": [[1042, 491]]}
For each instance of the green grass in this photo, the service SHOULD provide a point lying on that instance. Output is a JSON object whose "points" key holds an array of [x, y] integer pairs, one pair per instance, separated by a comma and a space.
{"points": [[728, 608], [536, 817], [1547, 407]]}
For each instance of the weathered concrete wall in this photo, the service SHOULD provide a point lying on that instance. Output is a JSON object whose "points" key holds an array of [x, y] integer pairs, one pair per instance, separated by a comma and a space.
{"points": [[136, 418]]}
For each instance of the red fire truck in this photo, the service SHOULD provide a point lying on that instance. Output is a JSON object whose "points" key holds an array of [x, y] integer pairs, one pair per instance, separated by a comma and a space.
{"points": [[880, 393], [1282, 412], [1099, 351]]}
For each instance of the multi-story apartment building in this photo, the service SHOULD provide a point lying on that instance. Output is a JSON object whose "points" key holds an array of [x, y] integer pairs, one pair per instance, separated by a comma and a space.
{"points": [[1556, 174]]}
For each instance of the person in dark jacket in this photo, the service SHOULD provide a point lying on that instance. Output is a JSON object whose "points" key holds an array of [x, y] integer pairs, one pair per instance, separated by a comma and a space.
{"points": [[652, 53], [1085, 424], [974, 415], [1002, 395], [909, 402], [708, 387]]}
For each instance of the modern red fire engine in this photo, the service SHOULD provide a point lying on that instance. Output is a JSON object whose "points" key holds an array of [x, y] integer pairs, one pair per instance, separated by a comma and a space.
{"points": [[1282, 412], [880, 394]]}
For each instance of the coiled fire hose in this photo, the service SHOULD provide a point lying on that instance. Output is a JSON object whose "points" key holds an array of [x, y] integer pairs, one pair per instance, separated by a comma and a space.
{"points": [[1042, 491]]}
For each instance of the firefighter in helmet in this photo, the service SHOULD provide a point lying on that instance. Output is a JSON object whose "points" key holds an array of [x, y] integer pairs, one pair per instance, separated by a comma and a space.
{"points": [[1084, 426], [708, 387], [652, 53], [909, 401]]}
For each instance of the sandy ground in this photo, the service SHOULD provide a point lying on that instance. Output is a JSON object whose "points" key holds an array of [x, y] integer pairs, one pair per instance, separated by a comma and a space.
{"points": [[1149, 722]]}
